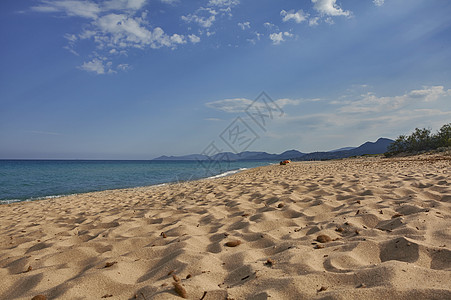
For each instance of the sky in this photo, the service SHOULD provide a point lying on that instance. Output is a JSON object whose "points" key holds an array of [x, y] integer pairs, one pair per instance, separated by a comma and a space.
{"points": [[136, 79]]}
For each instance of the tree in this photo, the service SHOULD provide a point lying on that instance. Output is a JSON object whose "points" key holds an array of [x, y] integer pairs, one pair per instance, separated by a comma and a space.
{"points": [[443, 137], [421, 140], [399, 145]]}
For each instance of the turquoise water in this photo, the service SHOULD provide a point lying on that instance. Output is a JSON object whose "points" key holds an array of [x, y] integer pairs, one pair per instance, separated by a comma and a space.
{"points": [[35, 179]]}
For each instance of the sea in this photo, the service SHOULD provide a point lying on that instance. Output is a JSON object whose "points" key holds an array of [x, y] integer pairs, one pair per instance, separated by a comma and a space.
{"points": [[27, 180]]}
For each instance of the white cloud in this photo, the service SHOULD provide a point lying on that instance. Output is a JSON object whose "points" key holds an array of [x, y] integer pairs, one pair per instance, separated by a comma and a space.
{"points": [[115, 33], [69, 48], [178, 39], [87, 8], [277, 38], [329, 20], [285, 101], [97, 66], [206, 16], [244, 25], [236, 105], [123, 67], [270, 26], [201, 20], [223, 3], [71, 40], [297, 17], [429, 94], [71, 37], [370, 103], [423, 107], [124, 31], [313, 21], [257, 38], [115, 27], [378, 2], [170, 2], [86, 34], [329, 8], [123, 4], [84, 9], [239, 105], [194, 38], [121, 30], [432, 112]]}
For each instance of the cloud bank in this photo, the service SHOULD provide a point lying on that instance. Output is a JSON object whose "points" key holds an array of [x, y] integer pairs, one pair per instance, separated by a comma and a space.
{"points": [[115, 27]]}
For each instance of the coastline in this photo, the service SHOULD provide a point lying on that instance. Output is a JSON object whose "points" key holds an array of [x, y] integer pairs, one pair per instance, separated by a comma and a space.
{"points": [[175, 178], [125, 242], [145, 187]]}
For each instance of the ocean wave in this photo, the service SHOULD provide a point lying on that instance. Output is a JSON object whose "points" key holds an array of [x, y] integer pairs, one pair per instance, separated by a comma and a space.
{"points": [[228, 173], [9, 201]]}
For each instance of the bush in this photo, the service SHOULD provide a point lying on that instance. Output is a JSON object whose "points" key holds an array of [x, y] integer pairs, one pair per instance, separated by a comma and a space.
{"points": [[421, 140], [443, 137]]}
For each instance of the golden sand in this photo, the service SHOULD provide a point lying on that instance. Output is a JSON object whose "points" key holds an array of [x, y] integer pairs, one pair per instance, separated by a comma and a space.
{"points": [[350, 229]]}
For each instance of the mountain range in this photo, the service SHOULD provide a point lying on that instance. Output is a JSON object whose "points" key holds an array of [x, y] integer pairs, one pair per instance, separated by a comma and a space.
{"points": [[246, 155], [380, 146]]}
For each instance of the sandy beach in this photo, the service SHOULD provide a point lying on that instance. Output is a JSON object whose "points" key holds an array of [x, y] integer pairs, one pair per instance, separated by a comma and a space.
{"points": [[369, 228]]}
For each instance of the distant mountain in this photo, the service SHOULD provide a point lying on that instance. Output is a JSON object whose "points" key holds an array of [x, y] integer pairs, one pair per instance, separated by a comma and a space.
{"points": [[342, 149], [184, 157], [246, 155], [290, 154], [380, 146]]}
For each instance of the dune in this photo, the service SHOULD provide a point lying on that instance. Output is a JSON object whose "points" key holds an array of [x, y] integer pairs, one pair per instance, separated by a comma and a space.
{"points": [[368, 228]]}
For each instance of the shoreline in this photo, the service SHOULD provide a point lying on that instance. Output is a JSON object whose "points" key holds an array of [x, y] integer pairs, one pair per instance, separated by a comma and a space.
{"points": [[145, 187], [367, 228], [223, 174]]}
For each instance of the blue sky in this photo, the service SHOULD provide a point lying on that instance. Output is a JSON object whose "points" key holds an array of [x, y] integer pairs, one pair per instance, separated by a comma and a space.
{"points": [[135, 79]]}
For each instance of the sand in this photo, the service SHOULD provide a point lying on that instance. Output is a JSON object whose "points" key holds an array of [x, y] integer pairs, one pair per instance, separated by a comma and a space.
{"points": [[368, 228]]}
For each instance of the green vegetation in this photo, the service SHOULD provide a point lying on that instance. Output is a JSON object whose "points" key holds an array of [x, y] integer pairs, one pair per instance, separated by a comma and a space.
{"points": [[421, 140]]}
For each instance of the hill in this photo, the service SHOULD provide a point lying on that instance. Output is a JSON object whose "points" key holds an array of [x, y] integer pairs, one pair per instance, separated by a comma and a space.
{"points": [[380, 146], [246, 155]]}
